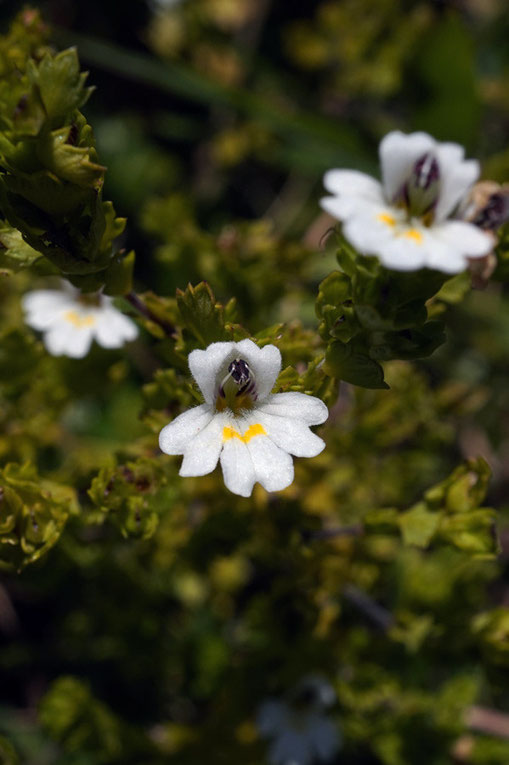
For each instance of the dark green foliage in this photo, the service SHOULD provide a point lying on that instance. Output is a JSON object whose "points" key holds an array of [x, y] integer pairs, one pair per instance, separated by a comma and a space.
{"points": [[32, 514], [51, 184], [369, 314]]}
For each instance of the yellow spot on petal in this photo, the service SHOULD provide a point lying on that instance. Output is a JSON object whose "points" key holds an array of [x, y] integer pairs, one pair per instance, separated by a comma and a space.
{"points": [[389, 220], [251, 432], [79, 321], [413, 233]]}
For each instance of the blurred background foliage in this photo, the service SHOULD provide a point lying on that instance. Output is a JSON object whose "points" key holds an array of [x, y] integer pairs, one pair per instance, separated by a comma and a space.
{"points": [[168, 610]]}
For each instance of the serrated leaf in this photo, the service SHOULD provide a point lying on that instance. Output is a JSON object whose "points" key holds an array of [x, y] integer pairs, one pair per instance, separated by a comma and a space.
{"points": [[60, 84], [201, 315], [15, 253]]}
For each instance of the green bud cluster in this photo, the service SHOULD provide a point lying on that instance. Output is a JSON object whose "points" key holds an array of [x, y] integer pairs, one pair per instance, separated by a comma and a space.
{"points": [[51, 180]]}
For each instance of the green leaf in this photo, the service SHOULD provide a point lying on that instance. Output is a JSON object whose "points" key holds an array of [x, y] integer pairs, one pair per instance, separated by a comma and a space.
{"points": [[201, 315], [79, 722], [419, 525], [60, 85], [33, 513], [15, 253], [343, 362]]}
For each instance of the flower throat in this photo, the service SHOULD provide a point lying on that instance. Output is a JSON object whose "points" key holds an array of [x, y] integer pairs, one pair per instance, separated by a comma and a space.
{"points": [[237, 390]]}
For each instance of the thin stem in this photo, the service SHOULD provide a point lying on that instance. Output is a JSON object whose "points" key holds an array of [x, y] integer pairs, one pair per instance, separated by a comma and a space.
{"points": [[355, 530], [140, 306], [376, 613]]}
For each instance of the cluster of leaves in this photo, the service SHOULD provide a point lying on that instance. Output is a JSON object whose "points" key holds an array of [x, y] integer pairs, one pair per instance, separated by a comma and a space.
{"points": [[51, 181], [369, 314], [33, 513]]}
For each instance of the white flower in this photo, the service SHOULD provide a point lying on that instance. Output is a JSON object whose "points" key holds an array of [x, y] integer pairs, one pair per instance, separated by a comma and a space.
{"points": [[252, 432], [300, 731], [407, 220], [70, 321]]}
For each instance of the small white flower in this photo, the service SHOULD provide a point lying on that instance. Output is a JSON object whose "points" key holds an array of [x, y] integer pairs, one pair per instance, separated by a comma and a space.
{"points": [[70, 321], [252, 432], [408, 219], [300, 731]]}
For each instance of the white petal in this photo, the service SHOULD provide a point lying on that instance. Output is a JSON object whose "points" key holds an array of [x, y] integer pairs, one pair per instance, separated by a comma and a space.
{"points": [[353, 190], [457, 176], [465, 237], [293, 436], [112, 328], [174, 437], [398, 154], [238, 469], [43, 307], [352, 182], [273, 466], [299, 406], [202, 452], [205, 366], [43, 299], [402, 254], [367, 231], [65, 339], [265, 363]]}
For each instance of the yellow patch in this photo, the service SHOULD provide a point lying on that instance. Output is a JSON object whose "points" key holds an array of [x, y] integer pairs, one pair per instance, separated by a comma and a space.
{"points": [[389, 220], [251, 432], [412, 233], [79, 321]]}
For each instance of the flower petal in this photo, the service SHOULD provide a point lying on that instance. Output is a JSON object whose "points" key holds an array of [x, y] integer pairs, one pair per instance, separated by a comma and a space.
{"points": [[352, 182], [273, 467], [265, 363], [202, 451], [238, 469], [112, 328], [465, 237], [44, 306], [370, 229], [175, 437], [205, 366], [293, 436], [457, 175], [62, 338], [352, 189], [399, 255], [398, 154], [299, 406]]}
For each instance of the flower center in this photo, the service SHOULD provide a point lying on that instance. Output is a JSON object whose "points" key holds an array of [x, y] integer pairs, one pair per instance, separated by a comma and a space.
{"points": [[420, 193], [90, 299], [79, 321], [238, 389]]}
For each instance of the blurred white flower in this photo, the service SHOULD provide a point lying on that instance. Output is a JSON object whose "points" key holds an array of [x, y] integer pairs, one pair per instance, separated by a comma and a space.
{"points": [[300, 731], [252, 432], [70, 321], [408, 219]]}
